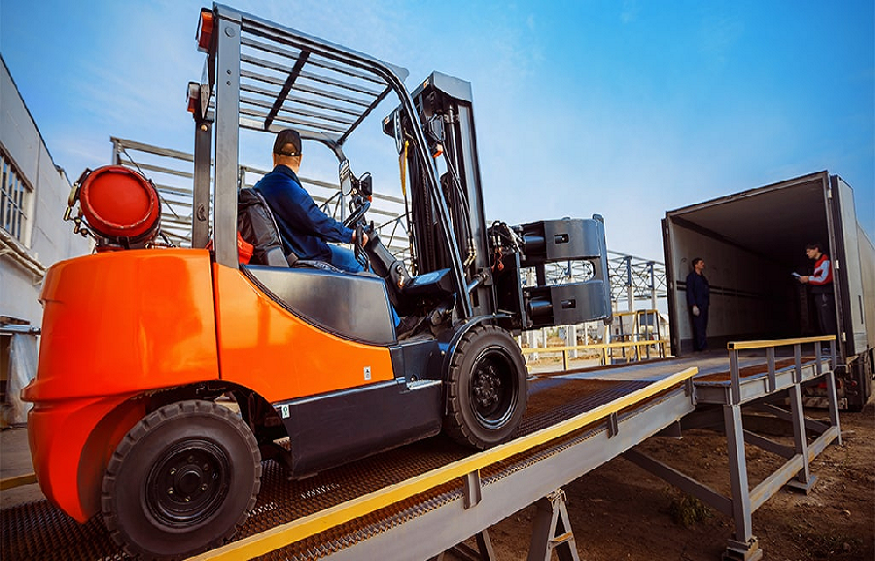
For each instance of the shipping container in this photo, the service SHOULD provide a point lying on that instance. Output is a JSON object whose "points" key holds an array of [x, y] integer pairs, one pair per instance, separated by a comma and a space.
{"points": [[752, 243]]}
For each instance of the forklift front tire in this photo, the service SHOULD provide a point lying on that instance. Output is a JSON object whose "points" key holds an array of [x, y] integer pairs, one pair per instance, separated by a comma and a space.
{"points": [[181, 480], [487, 388]]}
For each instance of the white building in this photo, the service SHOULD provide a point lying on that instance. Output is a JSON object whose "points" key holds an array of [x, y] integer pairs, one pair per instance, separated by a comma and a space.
{"points": [[33, 236]]}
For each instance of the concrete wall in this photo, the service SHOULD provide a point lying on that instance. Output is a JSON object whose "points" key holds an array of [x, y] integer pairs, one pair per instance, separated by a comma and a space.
{"points": [[50, 239]]}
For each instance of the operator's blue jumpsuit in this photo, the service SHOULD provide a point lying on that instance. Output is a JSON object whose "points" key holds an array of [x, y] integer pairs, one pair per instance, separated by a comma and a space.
{"points": [[303, 227]]}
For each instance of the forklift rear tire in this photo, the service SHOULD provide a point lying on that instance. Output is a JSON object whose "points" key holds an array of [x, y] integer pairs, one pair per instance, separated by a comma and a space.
{"points": [[181, 480], [487, 388]]}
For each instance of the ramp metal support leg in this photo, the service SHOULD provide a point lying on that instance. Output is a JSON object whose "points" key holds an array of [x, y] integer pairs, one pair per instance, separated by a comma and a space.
{"points": [[484, 551], [552, 530], [833, 402], [803, 481], [745, 546]]}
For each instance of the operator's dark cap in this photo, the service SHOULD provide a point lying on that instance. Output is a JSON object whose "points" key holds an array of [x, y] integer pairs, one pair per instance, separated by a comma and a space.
{"points": [[287, 136]]}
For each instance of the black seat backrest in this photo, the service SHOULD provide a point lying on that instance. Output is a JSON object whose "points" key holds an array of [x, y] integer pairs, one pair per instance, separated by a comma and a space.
{"points": [[256, 224]]}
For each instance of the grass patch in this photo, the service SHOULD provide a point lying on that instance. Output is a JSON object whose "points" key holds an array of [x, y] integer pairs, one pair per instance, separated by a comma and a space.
{"points": [[688, 510]]}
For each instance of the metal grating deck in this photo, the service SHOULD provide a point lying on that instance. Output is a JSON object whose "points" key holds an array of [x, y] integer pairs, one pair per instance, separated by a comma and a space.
{"points": [[38, 531]]}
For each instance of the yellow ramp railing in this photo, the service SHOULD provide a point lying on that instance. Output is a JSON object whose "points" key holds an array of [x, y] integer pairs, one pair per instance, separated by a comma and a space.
{"points": [[604, 349]]}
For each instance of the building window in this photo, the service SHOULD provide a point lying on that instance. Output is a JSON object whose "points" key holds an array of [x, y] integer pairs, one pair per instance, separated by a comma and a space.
{"points": [[15, 196]]}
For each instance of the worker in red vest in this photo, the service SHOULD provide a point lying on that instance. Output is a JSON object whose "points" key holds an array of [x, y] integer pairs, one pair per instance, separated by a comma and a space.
{"points": [[822, 288]]}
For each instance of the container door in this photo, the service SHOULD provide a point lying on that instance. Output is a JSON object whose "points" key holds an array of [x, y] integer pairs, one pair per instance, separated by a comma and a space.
{"points": [[676, 301], [849, 284]]}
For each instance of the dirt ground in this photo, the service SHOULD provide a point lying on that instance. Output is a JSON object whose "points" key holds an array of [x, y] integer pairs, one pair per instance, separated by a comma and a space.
{"points": [[621, 512]]}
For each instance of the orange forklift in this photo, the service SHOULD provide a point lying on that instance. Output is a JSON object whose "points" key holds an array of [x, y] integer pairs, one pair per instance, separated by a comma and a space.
{"points": [[143, 342]]}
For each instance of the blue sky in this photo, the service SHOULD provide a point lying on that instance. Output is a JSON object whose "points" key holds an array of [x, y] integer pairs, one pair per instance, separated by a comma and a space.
{"points": [[626, 109]]}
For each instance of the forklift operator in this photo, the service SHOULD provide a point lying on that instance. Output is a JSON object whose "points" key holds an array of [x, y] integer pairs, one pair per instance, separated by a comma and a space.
{"points": [[303, 227]]}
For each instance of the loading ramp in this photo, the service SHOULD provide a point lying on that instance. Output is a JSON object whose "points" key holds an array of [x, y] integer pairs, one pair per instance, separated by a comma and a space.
{"points": [[420, 500], [396, 501]]}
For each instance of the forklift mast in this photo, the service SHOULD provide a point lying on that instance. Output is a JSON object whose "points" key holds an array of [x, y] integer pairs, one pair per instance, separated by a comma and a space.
{"points": [[446, 116], [495, 257]]}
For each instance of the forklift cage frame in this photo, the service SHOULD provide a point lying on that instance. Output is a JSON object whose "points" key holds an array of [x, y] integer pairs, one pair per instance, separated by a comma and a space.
{"points": [[286, 78]]}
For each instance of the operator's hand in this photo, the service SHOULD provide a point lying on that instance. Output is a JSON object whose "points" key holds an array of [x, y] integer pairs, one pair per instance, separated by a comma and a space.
{"points": [[364, 238], [696, 311], [803, 280]]}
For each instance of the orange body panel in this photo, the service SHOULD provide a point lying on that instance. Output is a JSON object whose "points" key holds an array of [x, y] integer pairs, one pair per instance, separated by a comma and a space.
{"points": [[117, 325], [130, 320], [264, 347]]}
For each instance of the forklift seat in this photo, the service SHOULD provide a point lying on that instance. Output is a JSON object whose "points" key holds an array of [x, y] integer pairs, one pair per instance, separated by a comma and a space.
{"points": [[257, 226]]}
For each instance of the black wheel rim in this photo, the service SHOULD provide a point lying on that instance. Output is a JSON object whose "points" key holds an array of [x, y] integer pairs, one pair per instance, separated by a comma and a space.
{"points": [[493, 388], [188, 484]]}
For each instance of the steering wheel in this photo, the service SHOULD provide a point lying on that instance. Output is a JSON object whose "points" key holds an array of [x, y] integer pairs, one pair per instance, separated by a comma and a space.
{"points": [[356, 220], [358, 214]]}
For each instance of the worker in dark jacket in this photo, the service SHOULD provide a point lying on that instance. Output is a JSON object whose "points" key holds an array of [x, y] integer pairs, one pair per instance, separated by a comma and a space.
{"points": [[822, 288], [698, 300], [304, 228]]}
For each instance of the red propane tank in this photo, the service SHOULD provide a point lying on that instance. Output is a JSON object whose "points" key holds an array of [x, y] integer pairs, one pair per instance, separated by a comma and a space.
{"points": [[121, 205]]}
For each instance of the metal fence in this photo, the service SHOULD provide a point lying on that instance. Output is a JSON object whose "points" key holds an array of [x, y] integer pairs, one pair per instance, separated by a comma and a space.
{"points": [[606, 353]]}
